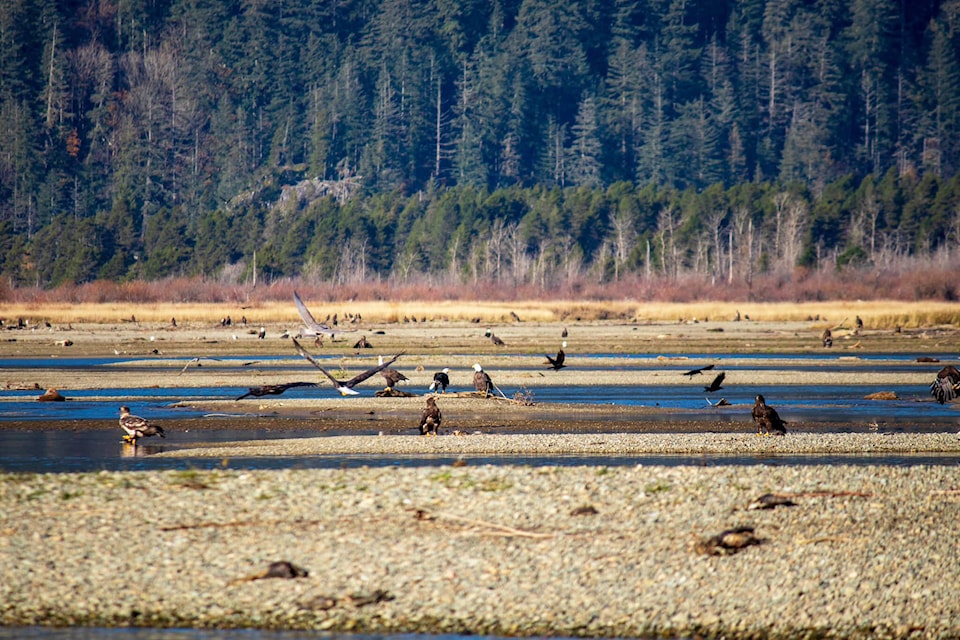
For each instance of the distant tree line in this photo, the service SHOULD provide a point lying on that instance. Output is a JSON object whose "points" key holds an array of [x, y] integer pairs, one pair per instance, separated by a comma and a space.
{"points": [[513, 140]]}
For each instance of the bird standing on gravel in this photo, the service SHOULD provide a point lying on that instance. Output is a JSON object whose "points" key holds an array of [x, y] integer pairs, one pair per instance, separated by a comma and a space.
{"points": [[767, 419], [430, 418], [481, 380], [441, 380], [136, 427]]}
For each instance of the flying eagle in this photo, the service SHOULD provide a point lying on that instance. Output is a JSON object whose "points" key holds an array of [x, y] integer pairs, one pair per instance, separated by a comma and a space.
{"points": [[557, 363], [441, 380], [946, 386], [274, 389], [136, 427], [767, 419], [314, 328], [481, 380], [715, 385], [698, 371], [392, 376], [430, 418], [345, 387]]}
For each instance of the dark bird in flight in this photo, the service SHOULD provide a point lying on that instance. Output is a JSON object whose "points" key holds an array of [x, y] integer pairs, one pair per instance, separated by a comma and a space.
{"points": [[557, 363], [274, 389], [136, 427], [715, 385], [946, 386], [827, 338], [392, 376], [345, 387], [494, 339], [767, 419], [727, 542], [441, 380], [430, 417], [481, 380], [314, 328], [694, 372]]}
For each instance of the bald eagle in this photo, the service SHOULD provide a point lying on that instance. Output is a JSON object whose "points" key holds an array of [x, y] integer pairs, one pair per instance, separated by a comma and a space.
{"points": [[715, 384], [136, 427], [767, 419], [827, 338], [274, 389], [946, 386], [430, 417], [493, 338], [557, 363], [345, 387], [481, 381], [392, 376], [314, 328], [441, 380], [699, 370]]}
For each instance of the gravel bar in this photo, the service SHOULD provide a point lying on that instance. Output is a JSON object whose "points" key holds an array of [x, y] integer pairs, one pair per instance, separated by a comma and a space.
{"points": [[866, 552], [595, 444]]}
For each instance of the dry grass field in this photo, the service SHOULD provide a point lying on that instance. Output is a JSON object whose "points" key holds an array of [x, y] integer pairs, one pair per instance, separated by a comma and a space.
{"points": [[876, 314]]}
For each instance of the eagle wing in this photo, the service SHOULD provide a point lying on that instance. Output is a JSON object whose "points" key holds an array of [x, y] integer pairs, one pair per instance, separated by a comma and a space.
{"points": [[308, 318], [360, 377]]}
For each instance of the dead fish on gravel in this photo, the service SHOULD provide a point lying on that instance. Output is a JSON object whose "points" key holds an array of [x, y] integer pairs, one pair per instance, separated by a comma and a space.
{"points": [[364, 599], [771, 501], [727, 543], [585, 510], [278, 569]]}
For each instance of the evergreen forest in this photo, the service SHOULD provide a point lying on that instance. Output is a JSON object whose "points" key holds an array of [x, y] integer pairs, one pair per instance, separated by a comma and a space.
{"points": [[515, 142]]}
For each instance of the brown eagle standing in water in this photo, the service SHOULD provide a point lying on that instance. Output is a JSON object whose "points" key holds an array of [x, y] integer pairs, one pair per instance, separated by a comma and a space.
{"points": [[137, 427], [767, 419]]}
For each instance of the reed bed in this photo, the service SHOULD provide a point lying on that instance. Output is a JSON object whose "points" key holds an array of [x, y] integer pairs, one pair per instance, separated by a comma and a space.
{"points": [[876, 314]]}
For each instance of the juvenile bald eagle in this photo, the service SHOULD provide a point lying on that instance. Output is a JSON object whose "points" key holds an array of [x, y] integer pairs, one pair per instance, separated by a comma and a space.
{"points": [[699, 370], [136, 427], [441, 380], [274, 389], [715, 384], [946, 386], [481, 381], [430, 418], [767, 419], [827, 338], [557, 363]]}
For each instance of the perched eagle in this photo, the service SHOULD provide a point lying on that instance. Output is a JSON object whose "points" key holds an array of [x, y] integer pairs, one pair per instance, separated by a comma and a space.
{"points": [[946, 386], [827, 338], [493, 338], [557, 363], [430, 417], [137, 427], [715, 384], [767, 419], [481, 380], [441, 380], [345, 387], [392, 376]]}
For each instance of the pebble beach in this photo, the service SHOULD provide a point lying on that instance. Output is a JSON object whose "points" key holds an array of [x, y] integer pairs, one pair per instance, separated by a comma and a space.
{"points": [[866, 552]]}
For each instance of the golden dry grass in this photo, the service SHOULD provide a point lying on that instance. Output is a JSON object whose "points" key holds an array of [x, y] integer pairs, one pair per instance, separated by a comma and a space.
{"points": [[877, 314]]}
